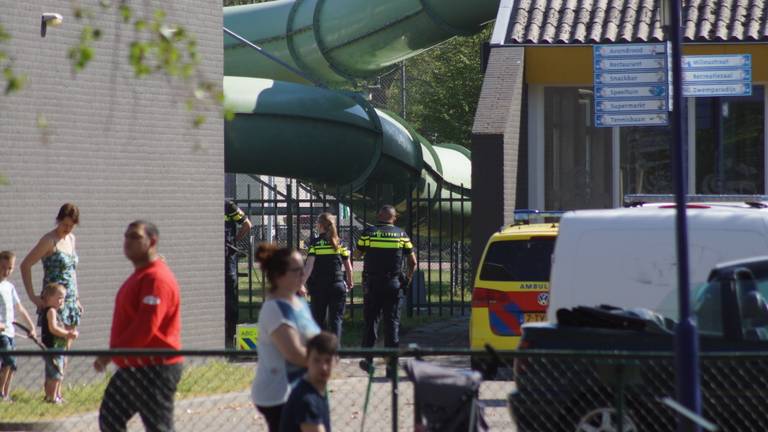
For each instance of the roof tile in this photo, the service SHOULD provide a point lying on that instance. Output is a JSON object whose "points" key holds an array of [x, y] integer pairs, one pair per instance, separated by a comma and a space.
{"points": [[723, 21], [581, 25], [607, 21], [596, 23], [755, 18]]}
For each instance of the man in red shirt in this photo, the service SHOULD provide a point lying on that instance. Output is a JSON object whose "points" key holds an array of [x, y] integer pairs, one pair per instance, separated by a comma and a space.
{"points": [[147, 315]]}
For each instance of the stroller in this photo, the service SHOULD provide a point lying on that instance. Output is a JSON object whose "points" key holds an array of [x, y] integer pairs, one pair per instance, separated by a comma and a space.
{"points": [[446, 399]]}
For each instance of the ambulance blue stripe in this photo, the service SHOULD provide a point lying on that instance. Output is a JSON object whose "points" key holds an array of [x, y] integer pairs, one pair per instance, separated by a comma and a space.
{"points": [[498, 325]]}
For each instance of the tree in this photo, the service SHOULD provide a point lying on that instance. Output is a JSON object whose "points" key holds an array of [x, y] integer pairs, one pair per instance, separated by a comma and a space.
{"points": [[442, 89], [158, 47], [13, 81]]}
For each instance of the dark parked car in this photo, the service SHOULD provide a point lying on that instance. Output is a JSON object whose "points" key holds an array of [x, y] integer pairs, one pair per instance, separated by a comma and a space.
{"points": [[581, 392]]}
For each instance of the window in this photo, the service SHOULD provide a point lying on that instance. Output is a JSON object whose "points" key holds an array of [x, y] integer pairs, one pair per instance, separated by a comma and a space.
{"points": [[519, 260], [577, 154], [708, 308], [729, 144], [645, 160]]}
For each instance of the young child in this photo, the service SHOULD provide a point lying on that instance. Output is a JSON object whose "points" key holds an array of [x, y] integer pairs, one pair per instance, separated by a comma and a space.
{"points": [[9, 303], [307, 407], [54, 337]]}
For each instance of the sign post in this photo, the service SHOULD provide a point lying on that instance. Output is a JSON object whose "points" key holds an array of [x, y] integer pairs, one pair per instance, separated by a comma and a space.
{"points": [[631, 85], [686, 334], [717, 75]]}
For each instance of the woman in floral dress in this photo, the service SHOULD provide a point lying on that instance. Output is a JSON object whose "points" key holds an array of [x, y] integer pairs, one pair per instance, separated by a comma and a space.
{"points": [[56, 250]]}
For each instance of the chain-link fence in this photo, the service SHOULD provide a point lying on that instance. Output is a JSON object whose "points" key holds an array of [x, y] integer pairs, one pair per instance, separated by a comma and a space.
{"points": [[214, 393], [551, 391], [635, 392]]}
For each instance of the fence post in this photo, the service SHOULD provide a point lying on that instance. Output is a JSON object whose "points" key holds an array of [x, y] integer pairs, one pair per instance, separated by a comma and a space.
{"points": [[250, 265], [352, 247], [429, 250], [620, 396], [265, 235], [409, 294], [289, 214], [463, 276], [440, 253], [419, 253], [452, 256], [393, 364]]}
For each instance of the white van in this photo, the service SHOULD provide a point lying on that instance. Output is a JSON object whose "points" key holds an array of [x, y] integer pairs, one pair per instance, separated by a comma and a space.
{"points": [[627, 257]]}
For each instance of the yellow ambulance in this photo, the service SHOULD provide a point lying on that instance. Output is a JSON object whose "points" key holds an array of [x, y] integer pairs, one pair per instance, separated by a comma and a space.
{"points": [[512, 280]]}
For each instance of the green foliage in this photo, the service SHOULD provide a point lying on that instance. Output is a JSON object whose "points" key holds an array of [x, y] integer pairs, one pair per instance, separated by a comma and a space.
{"points": [[13, 81], [442, 89], [158, 47], [82, 53], [208, 378]]}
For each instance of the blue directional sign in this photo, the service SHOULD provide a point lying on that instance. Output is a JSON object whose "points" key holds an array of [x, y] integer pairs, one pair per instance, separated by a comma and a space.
{"points": [[631, 83], [717, 75]]}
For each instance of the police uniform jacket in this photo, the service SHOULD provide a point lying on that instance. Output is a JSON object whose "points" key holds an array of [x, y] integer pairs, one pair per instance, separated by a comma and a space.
{"points": [[329, 261], [384, 246], [232, 222]]}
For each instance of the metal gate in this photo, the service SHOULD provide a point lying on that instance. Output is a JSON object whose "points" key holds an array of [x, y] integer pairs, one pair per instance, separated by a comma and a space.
{"points": [[284, 211]]}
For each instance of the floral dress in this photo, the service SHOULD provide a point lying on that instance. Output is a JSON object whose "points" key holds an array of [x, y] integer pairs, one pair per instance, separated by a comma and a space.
{"points": [[60, 268]]}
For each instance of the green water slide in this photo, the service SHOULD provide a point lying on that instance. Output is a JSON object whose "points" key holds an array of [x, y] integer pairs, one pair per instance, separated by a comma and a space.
{"points": [[336, 140]]}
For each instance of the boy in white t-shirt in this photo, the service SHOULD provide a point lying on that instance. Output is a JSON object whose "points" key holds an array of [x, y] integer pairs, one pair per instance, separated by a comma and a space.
{"points": [[9, 303]]}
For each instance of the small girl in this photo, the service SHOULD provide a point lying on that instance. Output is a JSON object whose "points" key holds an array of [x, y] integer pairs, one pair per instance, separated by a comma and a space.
{"points": [[55, 336]]}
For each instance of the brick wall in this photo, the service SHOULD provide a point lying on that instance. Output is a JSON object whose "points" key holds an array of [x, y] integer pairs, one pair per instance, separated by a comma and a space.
{"points": [[121, 148], [496, 145], [521, 195]]}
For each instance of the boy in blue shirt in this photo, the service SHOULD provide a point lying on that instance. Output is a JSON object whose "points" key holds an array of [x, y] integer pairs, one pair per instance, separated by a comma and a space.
{"points": [[307, 407], [9, 303]]}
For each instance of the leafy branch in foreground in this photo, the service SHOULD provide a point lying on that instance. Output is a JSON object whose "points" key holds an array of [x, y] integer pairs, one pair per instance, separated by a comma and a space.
{"points": [[13, 81], [158, 47]]}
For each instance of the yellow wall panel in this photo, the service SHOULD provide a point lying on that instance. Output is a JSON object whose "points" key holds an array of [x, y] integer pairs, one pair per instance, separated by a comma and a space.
{"points": [[565, 65]]}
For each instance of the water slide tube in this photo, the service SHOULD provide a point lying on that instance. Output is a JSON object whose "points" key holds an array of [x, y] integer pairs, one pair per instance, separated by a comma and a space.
{"points": [[332, 139]]}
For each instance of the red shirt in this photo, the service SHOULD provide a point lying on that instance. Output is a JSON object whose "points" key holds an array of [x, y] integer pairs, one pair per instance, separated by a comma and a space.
{"points": [[147, 315]]}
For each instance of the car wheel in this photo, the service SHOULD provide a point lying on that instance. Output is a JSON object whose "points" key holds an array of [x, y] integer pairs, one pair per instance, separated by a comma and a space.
{"points": [[604, 420]]}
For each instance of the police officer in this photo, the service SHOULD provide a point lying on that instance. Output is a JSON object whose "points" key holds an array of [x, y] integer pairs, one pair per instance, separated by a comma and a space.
{"points": [[328, 275], [236, 227], [384, 246]]}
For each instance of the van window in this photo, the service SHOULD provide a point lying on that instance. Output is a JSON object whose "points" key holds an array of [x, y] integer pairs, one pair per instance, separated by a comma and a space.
{"points": [[519, 260]]}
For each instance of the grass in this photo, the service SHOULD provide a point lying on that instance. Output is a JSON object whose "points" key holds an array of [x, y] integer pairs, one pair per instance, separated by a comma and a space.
{"points": [[198, 380], [353, 323], [438, 288], [438, 293]]}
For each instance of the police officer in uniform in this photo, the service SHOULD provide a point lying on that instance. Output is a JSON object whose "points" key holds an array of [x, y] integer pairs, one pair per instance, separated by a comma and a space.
{"points": [[328, 275], [236, 227], [384, 246]]}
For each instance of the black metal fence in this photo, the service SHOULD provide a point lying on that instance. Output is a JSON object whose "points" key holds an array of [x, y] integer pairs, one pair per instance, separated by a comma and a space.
{"points": [[286, 213]]}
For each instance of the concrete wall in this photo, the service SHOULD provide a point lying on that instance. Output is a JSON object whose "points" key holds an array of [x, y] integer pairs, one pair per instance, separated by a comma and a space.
{"points": [[121, 148]]}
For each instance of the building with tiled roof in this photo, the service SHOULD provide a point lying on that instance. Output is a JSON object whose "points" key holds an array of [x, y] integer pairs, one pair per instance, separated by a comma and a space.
{"points": [[537, 109]]}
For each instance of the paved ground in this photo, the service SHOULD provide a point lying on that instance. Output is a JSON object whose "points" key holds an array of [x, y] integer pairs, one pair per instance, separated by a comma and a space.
{"points": [[449, 333]]}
